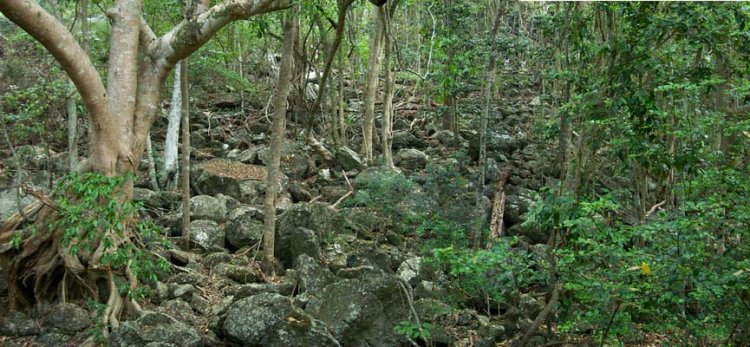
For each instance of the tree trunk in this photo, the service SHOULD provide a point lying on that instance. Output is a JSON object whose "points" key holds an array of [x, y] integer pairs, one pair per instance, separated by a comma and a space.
{"points": [[488, 89], [151, 165], [387, 127], [185, 181], [277, 140], [373, 72], [120, 116], [169, 172]]}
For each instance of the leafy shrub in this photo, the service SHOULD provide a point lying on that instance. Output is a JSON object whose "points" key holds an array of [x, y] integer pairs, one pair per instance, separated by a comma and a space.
{"points": [[92, 212]]}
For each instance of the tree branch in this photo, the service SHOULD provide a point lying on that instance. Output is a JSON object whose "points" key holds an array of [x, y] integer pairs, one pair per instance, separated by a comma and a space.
{"points": [[192, 33], [56, 38]]}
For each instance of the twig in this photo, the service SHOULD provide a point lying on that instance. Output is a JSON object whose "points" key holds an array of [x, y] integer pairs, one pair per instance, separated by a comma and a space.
{"points": [[611, 320], [351, 190]]}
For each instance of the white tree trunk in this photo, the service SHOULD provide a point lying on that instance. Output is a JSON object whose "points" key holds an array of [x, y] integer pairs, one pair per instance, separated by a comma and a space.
{"points": [[169, 173]]}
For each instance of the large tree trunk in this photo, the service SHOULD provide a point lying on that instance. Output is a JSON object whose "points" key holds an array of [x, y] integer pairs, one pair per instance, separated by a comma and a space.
{"points": [[277, 140], [373, 72], [121, 114]]}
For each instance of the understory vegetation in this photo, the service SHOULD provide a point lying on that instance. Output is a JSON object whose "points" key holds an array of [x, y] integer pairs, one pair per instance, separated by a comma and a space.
{"points": [[441, 173]]}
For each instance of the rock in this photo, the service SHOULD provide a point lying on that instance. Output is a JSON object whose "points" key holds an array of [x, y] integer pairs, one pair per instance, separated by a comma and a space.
{"points": [[285, 288], [299, 241], [15, 323], [181, 290], [518, 201], [179, 310], [499, 144], [361, 312], [241, 273], [8, 203], [429, 290], [335, 256], [155, 329], [349, 159], [299, 193], [67, 318], [208, 207], [462, 209], [410, 159], [530, 306], [152, 199], [232, 178], [207, 235], [52, 339], [310, 275], [213, 259], [248, 156], [412, 270], [270, 320], [446, 138], [316, 216], [294, 162], [244, 227], [405, 139]]}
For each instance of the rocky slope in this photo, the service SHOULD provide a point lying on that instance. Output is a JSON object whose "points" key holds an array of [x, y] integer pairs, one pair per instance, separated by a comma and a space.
{"points": [[343, 282]]}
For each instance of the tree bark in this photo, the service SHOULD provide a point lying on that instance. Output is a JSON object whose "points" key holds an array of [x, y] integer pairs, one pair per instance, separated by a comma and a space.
{"points": [[488, 88], [185, 181], [121, 115], [169, 172], [387, 127], [277, 140], [373, 72]]}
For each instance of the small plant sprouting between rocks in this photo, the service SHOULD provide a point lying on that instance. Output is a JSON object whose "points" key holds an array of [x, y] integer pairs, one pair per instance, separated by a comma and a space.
{"points": [[413, 330]]}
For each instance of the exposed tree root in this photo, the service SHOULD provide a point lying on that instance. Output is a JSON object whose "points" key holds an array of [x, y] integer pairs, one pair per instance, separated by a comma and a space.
{"points": [[41, 269]]}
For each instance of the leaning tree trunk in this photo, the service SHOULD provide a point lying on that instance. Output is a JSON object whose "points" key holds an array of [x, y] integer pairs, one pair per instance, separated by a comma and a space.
{"points": [[277, 140], [368, 121]]}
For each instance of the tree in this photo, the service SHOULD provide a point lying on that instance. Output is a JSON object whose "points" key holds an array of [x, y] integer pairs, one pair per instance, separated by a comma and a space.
{"points": [[373, 71], [277, 140], [121, 115]]}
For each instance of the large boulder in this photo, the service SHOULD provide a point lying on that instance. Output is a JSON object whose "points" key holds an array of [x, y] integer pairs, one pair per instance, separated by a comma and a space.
{"points": [[243, 182], [207, 235], [316, 216], [410, 159], [298, 241], [517, 203], [499, 145], [349, 159], [270, 320], [67, 318], [208, 207], [310, 275], [244, 227], [361, 312], [155, 329], [405, 139]]}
